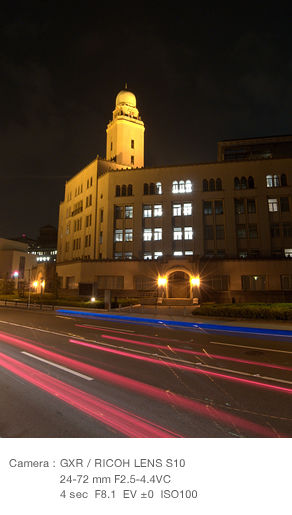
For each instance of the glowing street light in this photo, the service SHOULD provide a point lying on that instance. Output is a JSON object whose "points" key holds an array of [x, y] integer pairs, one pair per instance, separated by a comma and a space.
{"points": [[162, 281], [195, 281]]}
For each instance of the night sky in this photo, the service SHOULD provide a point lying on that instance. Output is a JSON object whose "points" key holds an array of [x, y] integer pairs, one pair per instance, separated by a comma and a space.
{"points": [[201, 71]]}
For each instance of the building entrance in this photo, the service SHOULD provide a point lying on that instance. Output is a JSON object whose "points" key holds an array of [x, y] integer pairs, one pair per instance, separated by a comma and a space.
{"points": [[178, 285]]}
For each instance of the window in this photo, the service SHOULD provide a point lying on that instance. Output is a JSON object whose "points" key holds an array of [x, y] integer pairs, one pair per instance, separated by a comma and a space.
{"points": [[175, 187], [130, 189], [118, 255], [208, 231], [176, 210], [189, 186], [147, 211], [211, 185], [132, 143], [187, 209], [254, 282], [177, 253], [243, 183], [218, 184], [124, 190], [218, 207], [251, 206], [250, 182], [236, 183], [128, 211], [181, 187], [101, 216], [207, 208], [287, 231], [158, 255], [272, 181], [132, 160], [273, 204], [288, 253], [118, 212], [189, 253], [286, 281], [100, 237], [253, 231], [241, 231], [177, 233], [284, 202], [157, 210], [158, 233], [188, 233], [87, 240], [147, 234], [205, 185], [275, 230], [220, 232], [283, 179], [239, 206], [158, 188], [147, 255], [119, 235], [128, 234], [152, 188], [218, 282], [145, 189]]}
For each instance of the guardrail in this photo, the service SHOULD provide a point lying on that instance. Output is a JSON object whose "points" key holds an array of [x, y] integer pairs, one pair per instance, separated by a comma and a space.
{"points": [[26, 305]]}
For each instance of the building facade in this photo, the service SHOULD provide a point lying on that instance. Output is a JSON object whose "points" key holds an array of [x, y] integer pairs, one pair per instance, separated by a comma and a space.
{"points": [[123, 226]]}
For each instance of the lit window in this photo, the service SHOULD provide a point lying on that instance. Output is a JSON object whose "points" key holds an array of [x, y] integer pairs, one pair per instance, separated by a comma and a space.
{"points": [[118, 255], [147, 211], [177, 233], [158, 188], [177, 253], [128, 234], [129, 212], [273, 204], [189, 186], [147, 234], [176, 210], [158, 233], [189, 253], [119, 235], [158, 255], [181, 186], [188, 233], [187, 209], [157, 210], [147, 255], [175, 187], [128, 255], [276, 181]]}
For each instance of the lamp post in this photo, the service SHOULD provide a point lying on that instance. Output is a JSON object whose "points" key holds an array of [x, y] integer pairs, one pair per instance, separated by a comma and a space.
{"points": [[15, 275], [162, 282]]}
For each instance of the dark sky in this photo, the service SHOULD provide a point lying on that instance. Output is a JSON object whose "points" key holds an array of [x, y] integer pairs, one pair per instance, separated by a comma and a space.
{"points": [[201, 72]]}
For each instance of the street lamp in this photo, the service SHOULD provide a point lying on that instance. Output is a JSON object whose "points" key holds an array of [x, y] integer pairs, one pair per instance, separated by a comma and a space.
{"points": [[15, 275], [195, 283]]}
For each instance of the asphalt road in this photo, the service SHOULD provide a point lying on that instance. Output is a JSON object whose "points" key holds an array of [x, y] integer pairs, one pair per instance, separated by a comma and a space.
{"points": [[71, 376]]}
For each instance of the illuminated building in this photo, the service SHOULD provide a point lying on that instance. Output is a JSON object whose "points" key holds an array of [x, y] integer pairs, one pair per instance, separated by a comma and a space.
{"points": [[122, 226]]}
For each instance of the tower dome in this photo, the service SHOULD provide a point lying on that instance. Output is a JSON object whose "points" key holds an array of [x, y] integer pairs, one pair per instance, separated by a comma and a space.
{"points": [[126, 97]]}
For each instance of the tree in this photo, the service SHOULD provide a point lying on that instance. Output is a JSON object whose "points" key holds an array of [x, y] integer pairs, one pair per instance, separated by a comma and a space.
{"points": [[56, 285], [7, 286]]}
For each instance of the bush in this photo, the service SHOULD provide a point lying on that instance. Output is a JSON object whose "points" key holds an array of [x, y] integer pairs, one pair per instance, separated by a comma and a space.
{"points": [[251, 311]]}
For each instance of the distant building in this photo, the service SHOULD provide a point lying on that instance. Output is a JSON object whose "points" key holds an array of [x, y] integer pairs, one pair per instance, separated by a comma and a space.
{"points": [[123, 226], [15, 259]]}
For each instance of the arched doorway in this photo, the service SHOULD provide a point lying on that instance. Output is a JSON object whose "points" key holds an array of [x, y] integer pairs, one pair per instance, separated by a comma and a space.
{"points": [[179, 285]]}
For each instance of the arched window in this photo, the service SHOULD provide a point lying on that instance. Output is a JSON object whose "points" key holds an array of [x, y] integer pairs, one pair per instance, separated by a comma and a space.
{"points": [[130, 189], [205, 185], [236, 183], [146, 188], [269, 181], [152, 188], [243, 183], [276, 181], [158, 188], [211, 185], [189, 186], [175, 187], [283, 179], [124, 190], [218, 184], [118, 191], [181, 186], [250, 182]]}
